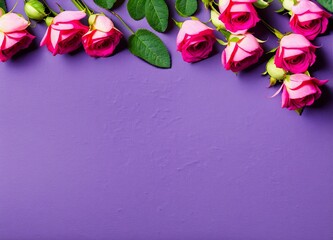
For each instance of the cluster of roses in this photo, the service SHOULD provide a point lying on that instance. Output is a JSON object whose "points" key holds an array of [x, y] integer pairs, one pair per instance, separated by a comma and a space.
{"points": [[195, 40], [296, 54], [65, 33], [293, 57]]}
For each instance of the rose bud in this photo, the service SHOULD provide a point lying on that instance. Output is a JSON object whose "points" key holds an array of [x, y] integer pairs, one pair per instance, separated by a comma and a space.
{"points": [[195, 41], [238, 16], [295, 54], [300, 90], [288, 4], [102, 38], [214, 16], [308, 19], [241, 52], [65, 32], [13, 35], [35, 10], [275, 73]]}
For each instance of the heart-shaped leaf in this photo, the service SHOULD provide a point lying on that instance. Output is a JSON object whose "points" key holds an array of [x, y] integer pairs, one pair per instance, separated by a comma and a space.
{"points": [[107, 4], [157, 14], [328, 4], [146, 45], [3, 5], [136, 9], [186, 8]]}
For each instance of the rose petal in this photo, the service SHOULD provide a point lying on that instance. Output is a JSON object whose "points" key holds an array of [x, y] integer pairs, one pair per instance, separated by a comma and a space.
{"points": [[67, 16], [295, 41], [103, 23], [191, 27], [11, 22]]}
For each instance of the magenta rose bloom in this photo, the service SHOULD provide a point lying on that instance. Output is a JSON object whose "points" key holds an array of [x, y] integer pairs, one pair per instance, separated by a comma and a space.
{"points": [[295, 53], [241, 54], [195, 41], [65, 32], [102, 38], [308, 19], [238, 16], [300, 90], [13, 35]]}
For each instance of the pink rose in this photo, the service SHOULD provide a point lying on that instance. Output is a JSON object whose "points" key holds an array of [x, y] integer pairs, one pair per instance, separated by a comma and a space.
{"points": [[242, 53], [102, 38], [300, 90], [13, 35], [65, 32], [295, 53], [308, 19], [195, 41], [238, 16]]}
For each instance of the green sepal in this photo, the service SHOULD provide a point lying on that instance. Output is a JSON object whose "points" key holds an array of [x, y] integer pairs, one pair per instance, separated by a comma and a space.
{"points": [[299, 111]]}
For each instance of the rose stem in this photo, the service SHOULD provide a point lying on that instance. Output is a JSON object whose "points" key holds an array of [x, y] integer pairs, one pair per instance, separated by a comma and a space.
{"points": [[122, 21], [276, 32], [54, 13]]}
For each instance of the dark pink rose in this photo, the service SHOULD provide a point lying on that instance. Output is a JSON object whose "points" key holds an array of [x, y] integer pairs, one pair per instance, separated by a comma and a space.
{"points": [[308, 19], [195, 41], [300, 90], [102, 38], [13, 35], [65, 32], [242, 53], [238, 16], [295, 54]]}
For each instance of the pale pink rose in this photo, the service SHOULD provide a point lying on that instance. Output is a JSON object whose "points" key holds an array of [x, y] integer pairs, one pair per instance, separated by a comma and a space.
{"points": [[242, 53], [295, 53], [308, 19], [300, 90], [65, 33], [238, 16], [13, 35], [195, 41], [102, 38]]}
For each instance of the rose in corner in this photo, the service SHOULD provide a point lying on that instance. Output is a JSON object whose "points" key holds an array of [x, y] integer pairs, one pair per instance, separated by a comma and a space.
{"points": [[308, 19], [238, 16], [300, 90], [64, 32], [241, 52], [195, 41], [13, 35], [102, 38], [295, 53]]}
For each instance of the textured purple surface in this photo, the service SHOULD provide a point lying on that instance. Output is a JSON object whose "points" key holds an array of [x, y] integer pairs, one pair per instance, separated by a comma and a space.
{"points": [[116, 149]]}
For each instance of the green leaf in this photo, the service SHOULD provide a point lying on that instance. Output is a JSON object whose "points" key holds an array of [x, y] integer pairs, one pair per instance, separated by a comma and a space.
{"points": [[328, 4], [186, 8], [107, 4], [3, 5], [146, 45], [157, 14], [136, 9]]}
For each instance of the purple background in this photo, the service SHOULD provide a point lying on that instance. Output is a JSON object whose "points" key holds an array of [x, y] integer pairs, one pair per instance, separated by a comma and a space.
{"points": [[116, 149]]}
